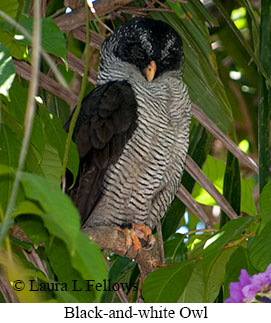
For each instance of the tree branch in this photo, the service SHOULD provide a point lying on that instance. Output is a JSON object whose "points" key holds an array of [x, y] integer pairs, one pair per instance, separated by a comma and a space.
{"points": [[77, 18], [194, 170], [114, 239]]}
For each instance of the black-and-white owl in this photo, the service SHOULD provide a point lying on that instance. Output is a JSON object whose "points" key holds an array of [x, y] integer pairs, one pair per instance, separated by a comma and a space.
{"points": [[132, 132]]}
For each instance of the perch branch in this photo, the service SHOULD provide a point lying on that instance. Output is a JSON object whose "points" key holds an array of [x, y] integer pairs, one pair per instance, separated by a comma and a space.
{"points": [[113, 239]]}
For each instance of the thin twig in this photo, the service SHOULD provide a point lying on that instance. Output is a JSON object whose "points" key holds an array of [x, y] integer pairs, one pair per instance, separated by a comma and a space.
{"points": [[240, 240], [92, 9], [200, 230], [161, 4], [28, 122], [58, 12]]}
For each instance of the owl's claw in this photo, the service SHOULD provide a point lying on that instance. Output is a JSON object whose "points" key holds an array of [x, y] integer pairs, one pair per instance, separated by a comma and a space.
{"points": [[131, 239], [138, 237], [144, 233]]}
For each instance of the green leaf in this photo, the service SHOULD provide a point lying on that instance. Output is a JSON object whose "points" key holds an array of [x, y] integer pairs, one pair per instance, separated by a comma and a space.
{"points": [[16, 49], [202, 10], [25, 245], [9, 7], [119, 267], [214, 246], [264, 101], [231, 186], [51, 165], [53, 41], [235, 33], [18, 100], [175, 249], [60, 217], [32, 225], [259, 250], [28, 267], [27, 207], [62, 220], [265, 204], [88, 259], [215, 278], [16, 108], [194, 291], [9, 155], [60, 260], [254, 25], [122, 270], [56, 136], [238, 260], [166, 285], [7, 70], [214, 169]]}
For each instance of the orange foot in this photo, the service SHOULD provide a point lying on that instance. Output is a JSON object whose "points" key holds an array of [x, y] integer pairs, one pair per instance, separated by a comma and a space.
{"points": [[137, 237], [144, 233]]}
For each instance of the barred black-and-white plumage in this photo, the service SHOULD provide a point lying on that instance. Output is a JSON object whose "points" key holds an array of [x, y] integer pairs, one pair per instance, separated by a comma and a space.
{"points": [[132, 135]]}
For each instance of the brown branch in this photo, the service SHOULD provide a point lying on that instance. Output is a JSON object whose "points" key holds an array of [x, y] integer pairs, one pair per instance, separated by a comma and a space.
{"points": [[24, 70], [6, 289], [194, 170], [96, 40], [136, 9], [188, 200], [199, 115], [77, 65], [77, 18], [113, 239]]}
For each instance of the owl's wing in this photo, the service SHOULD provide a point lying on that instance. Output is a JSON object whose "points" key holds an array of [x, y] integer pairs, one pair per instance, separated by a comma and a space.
{"points": [[106, 121]]}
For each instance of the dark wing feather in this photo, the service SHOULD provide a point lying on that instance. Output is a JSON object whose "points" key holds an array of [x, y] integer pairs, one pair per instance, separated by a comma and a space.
{"points": [[106, 121]]}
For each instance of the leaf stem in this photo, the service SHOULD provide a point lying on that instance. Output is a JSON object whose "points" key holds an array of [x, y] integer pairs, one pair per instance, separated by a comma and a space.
{"points": [[201, 230]]}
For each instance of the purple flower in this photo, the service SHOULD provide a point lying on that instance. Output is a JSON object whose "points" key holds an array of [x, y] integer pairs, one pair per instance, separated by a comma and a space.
{"points": [[247, 288]]}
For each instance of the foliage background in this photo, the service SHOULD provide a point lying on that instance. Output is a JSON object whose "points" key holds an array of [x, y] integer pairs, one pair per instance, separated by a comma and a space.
{"points": [[227, 52]]}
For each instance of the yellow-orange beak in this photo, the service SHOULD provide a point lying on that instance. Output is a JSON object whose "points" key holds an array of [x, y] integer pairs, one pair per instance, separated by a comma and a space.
{"points": [[150, 71]]}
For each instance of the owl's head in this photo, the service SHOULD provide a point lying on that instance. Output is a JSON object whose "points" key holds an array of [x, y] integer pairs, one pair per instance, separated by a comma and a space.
{"points": [[150, 45]]}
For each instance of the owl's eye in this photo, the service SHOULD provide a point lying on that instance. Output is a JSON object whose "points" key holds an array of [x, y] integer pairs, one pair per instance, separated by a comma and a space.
{"points": [[138, 53], [167, 60]]}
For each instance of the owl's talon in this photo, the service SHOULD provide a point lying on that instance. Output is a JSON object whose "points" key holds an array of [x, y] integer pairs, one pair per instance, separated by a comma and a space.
{"points": [[134, 237], [131, 241], [144, 233]]}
